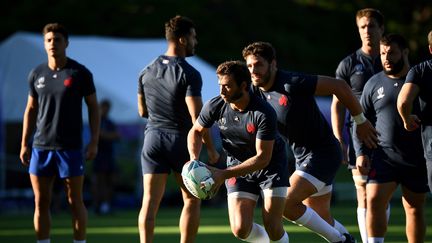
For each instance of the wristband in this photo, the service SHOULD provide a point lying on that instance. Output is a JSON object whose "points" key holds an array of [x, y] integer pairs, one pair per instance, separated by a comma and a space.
{"points": [[359, 119]]}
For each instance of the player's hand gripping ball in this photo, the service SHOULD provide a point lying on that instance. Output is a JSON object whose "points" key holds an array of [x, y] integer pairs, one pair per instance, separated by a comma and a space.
{"points": [[197, 179]]}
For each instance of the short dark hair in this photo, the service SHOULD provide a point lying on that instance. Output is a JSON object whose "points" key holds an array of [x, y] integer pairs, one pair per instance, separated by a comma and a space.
{"points": [[371, 13], [55, 28], [390, 38], [262, 49], [237, 69], [178, 26]]}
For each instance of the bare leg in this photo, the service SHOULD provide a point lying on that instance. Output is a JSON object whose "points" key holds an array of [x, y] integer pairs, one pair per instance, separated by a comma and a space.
{"points": [[297, 212], [240, 211], [415, 216], [272, 216], [190, 215], [378, 197], [321, 205], [42, 189], [154, 188], [74, 187]]}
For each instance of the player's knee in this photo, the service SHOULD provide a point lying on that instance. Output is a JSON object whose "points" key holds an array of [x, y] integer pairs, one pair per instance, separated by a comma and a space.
{"points": [[75, 203], [42, 205], [192, 202], [240, 231], [274, 229], [292, 210], [376, 204]]}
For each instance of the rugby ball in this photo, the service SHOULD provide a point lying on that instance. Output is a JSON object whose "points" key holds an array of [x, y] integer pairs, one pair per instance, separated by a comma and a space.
{"points": [[197, 179]]}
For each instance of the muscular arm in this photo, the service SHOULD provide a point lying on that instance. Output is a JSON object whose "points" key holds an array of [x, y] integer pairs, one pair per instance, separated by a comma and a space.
{"points": [[264, 149], [338, 113], [194, 105], [29, 124], [194, 140], [406, 97], [94, 121], [339, 88]]}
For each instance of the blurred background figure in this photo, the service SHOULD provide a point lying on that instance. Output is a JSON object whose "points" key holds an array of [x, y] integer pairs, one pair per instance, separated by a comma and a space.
{"points": [[104, 165]]}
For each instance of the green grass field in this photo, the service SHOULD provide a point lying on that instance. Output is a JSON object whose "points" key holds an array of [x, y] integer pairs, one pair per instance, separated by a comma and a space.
{"points": [[121, 226]]}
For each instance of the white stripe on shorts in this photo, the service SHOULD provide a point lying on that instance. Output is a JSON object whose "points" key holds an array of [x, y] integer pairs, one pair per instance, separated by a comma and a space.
{"points": [[321, 187]]}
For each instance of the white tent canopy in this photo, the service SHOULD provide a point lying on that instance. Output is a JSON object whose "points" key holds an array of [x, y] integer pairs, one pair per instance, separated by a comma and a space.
{"points": [[114, 62]]}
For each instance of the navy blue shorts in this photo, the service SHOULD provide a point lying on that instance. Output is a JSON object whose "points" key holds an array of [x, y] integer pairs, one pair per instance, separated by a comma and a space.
{"points": [[383, 170], [276, 174], [163, 151], [322, 163], [64, 163]]}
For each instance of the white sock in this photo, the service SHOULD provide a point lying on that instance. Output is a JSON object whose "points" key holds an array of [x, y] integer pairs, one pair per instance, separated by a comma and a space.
{"points": [[388, 212], [361, 220], [79, 241], [311, 220], [284, 239], [44, 241], [375, 240], [339, 227], [257, 235]]}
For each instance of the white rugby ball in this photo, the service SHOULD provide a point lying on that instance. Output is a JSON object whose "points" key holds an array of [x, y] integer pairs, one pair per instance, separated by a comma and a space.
{"points": [[197, 179]]}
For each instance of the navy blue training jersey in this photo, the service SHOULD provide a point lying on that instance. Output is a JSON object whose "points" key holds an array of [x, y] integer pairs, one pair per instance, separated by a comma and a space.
{"points": [[240, 129], [356, 69], [165, 83], [299, 117], [59, 94], [421, 75], [379, 101]]}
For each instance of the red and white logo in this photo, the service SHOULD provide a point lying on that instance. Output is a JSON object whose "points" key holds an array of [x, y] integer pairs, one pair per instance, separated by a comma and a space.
{"points": [[68, 82], [283, 100], [250, 127], [231, 181]]}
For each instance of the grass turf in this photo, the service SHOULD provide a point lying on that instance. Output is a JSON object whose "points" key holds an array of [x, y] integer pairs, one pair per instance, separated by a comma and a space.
{"points": [[121, 226]]}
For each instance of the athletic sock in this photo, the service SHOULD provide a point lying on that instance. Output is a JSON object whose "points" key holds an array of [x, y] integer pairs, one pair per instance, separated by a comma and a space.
{"points": [[311, 220], [79, 241], [44, 241], [284, 239], [361, 220], [375, 240], [339, 227], [257, 235]]}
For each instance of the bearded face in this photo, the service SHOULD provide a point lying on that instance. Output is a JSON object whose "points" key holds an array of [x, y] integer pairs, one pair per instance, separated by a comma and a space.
{"points": [[392, 59], [229, 90], [260, 70]]}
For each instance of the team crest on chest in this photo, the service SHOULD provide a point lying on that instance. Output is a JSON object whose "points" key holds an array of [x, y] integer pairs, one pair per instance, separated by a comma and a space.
{"points": [[222, 123], [359, 69], [250, 127], [283, 100], [380, 93], [40, 83], [68, 82]]}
